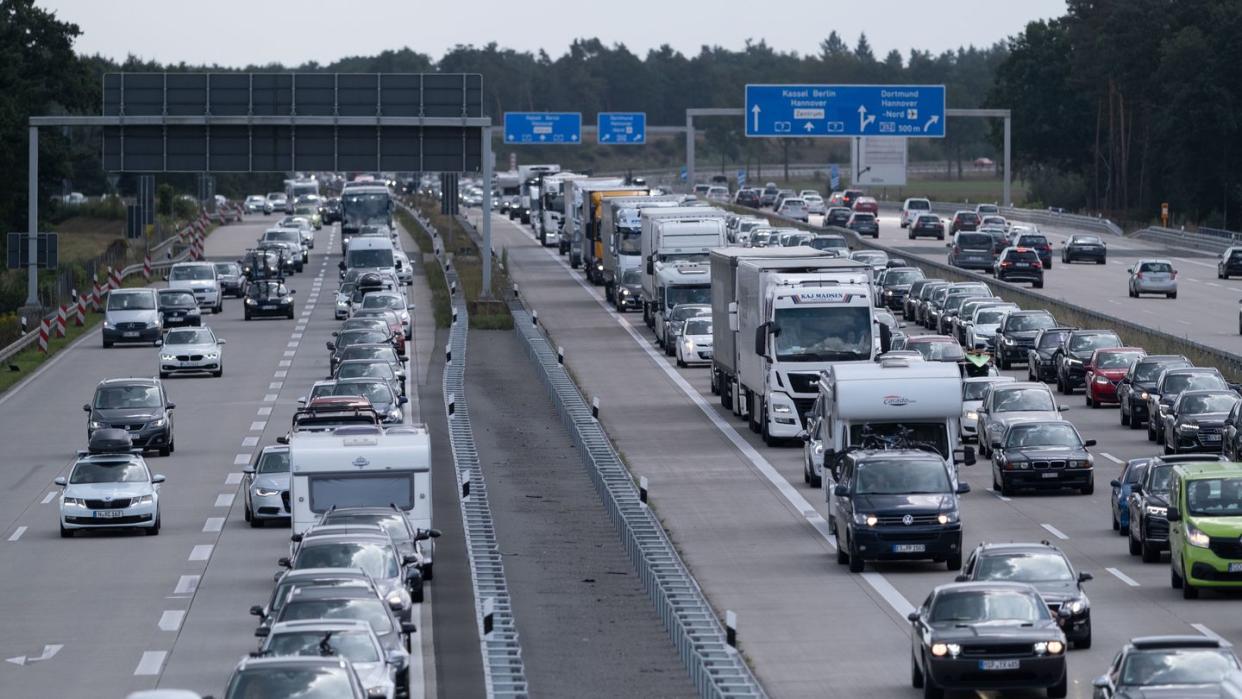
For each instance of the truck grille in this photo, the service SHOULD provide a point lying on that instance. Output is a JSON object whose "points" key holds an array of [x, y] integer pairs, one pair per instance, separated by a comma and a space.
{"points": [[804, 383], [916, 520]]}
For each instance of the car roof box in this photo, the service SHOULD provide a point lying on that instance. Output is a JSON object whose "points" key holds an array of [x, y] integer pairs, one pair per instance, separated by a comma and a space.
{"points": [[110, 441]]}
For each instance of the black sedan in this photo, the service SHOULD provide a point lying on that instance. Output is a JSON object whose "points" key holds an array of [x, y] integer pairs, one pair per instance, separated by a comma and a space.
{"points": [[1074, 353], [179, 308], [1084, 248], [1045, 568], [1197, 421], [927, 225], [268, 298], [1168, 666], [1040, 365], [1041, 455], [232, 281], [1229, 264], [1134, 387], [986, 635], [1019, 265], [838, 216], [261, 264], [348, 338]]}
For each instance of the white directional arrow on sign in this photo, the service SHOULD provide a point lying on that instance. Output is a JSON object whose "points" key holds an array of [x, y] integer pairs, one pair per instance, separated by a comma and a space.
{"points": [[755, 111], [809, 127], [49, 652], [935, 118], [864, 118]]}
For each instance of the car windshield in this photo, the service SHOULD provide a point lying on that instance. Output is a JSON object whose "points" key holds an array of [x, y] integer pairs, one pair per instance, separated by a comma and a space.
{"points": [[1051, 340], [901, 477], [697, 326], [370, 610], [629, 241], [941, 351], [975, 606], [688, 311], [385, 353], [227, 268], [901, 276], [393, 524], [1176, 383], [632, 277], [140, 301], [274, 462], [1026, 322], [266, 289], [1158, 479], [354, 646], [374, 391], [1085, 240], [176, 298], [391, 301], [193, 272], [187, 336], [1215, 497], [300, 682], [370, 257], [283, 236], [360, 337], [990, 316], [1061, 434], [863, 218], [353, 370], [1150, 371], [1176, 667], [1162, 267], [677, 295], [378, 561], [109, 472], [1030, 241], [1024, 400], [974, 241], [827, 243], [1084, 343], [928, 220], [823, 334], [127, 397], [1212, 403], [1025, 567], [1117, 360]]}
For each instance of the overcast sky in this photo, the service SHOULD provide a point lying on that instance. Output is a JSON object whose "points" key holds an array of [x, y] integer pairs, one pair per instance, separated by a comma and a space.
{"points": [[244, 32]]}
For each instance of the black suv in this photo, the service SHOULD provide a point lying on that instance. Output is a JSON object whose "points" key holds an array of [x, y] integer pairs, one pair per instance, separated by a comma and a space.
{"points": [[1149, 505], [178, 308], [138, 406], [1045, 568], [1133, 388], [1016, 336], [895, 504], [1169, 386], [896, 285], [1019, 265], [1075, 351], [1039, 359]]}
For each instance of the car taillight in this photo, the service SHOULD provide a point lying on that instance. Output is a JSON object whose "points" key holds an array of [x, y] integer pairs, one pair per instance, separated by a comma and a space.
{"points": [[1039, 265], [1006, 264], [1046, 247], [1174, 275]]}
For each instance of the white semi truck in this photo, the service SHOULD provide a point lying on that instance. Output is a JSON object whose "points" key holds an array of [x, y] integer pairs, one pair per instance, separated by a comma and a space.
{"points": [[791, 319], [675, 244], [621, 230], [550, 216]]}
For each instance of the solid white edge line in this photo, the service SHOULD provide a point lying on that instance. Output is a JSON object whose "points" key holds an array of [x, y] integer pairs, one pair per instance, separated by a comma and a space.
{"points": [[1111, 458], [1207, 632], [17, 533], [998, 496], [151, 662], [171, 619], [1123, 577], [1054, 531]]}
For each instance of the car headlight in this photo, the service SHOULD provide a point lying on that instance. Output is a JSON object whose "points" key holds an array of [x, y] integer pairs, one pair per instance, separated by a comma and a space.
{"points": [[625, 292], [394, 598], [108, 325], [1187, 427], [942, 649], [265, 492], [1194, 537], [1049, 648], [888, 292], [394, 414], [142, 500], [782, 409], [96, 425], [1102, 380], [251, 302], [168, 357], [947, 517], [159, 422], [1077, 606], [972, 415], [211, 355], [1143, 396], [73, 502], [1156, 510], [1080, 463], [1006, 340], [863, 518]]}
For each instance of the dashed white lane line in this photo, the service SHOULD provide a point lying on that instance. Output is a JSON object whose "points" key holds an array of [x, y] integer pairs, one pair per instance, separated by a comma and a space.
{"points": [[234, 478], [1111, 458], [270, 398], [48, 498], [17, 533], [171, 619], [250, 442], [201, 552], [290, 353], [280, 374], [1206, 631], [284, 363], [224, 500], [151, 662], [1054, 531], [213, 524], [241, 460], [293, 344], [296, 336], [1123, 577], [275, 385], [265, 411], [1183, 322], [258, 425], [186, 585]]}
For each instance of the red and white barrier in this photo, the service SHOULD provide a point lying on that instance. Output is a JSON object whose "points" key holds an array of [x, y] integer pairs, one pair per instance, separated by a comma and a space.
{"points": [[95, 295], [79, 318], [60, 321], [146, 267], [43, 332]]}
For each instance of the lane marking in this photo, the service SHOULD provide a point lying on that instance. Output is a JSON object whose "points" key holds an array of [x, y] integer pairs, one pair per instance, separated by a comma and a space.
{"points": [[1111, 458], [275, 385], [280, 374], [1123, 577], [241, 460], [270, 398], [290, 353], [292, 343], [284, 363], [265, 411], [1214, 285], [48, 498], [998, 496], [250, 442], [17, 533], [186, 585], [234, 478], [258, 425], [171, 619], [201, 552], [224, 500], [152, 661], [213, 524], [1207, 632], [1054, 531], [296, 336]]}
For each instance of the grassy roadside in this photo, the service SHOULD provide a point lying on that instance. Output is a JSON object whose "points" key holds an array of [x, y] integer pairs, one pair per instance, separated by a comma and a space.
{"points": [[441, 308]]}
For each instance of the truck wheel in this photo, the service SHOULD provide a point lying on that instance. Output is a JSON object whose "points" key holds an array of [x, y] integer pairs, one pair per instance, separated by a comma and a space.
{"points": [[753, 407]]}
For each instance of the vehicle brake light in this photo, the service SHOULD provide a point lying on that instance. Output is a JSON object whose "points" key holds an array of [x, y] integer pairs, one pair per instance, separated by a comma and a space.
{"points": [[1175, 275], [1139, 275], [1039, 265]]}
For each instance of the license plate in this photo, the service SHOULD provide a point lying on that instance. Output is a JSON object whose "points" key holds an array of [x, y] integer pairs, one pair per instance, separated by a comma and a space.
{"points": [[909, 548], [1050, 474], [130, 334], [1021, 264], [1211, 438], [998, 664], [1235, 567], [109, 514], [188, 363], [267, 307]]}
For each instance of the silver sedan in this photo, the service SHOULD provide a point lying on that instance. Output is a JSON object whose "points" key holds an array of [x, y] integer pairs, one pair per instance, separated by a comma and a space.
{"points": [[265, 485], [1153, 277]]}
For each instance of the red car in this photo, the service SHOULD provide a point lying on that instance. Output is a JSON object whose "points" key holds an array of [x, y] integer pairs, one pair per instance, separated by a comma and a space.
{"points": [[866, 205], [1105, 368]]}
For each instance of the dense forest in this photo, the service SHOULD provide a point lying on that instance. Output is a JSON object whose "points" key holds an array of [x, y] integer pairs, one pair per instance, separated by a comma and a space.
{"points": [[1118, 105]]}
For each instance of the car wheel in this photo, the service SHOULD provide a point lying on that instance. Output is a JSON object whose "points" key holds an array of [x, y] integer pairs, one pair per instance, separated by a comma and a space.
{"points": [[247, 315], [1116, 522], [1037, 285], [1173, 295], [290, 316], [218, 373], [1006, 489], [954, 561], [916, 676], [1089, 488], [107, 344], [1003, 361], [154, 529], [165, 451], [1175, 580], [1087, 396], [1060, 689], [217, 310], [1136, 547], [856, 562], [930, 689], [417, 594], [1102, 261], [1125, 417], [163, 374], [843, 556], [246, 514], [679, 362], [66, 533], [1049, 265], [1189, 591]]}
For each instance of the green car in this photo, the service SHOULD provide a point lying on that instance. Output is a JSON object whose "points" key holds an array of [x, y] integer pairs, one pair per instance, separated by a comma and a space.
{"points": [[310, 213], [1205, 527]]}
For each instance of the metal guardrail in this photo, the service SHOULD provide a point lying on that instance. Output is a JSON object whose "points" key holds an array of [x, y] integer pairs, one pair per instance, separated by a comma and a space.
{"points": [[1042, 217], [716, 669], [1214, 241], [504, 673]]}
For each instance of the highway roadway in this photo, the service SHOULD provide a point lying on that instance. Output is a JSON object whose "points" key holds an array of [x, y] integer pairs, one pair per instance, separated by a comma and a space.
{"points": [[103, 614], [754, 534]]}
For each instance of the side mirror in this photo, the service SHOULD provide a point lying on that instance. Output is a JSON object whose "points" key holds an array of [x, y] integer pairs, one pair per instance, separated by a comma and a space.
{"points": [[86, 407], [262, 632], [408, 627], [804, 436], [403, 400], [424, 534], [292, 292], [158, 478], [912, 616], [282, 439], [1115, 483], [409, 560], [960, 578], [1136, 489], [61, 481], [1084, 576], [761, 340], [331, 345], [302, 400], [256, 610], [295, 538], [948, 245], [1174, 515], [1062, 408], [341, 265], [1100, 682], [963, 488], [840, 490], [1129, 270], [171, 406], [284, 562], [394, 604], [1089, 443], [396, 658]]}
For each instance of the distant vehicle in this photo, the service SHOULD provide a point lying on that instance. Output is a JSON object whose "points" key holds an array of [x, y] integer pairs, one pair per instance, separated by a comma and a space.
{"points": [[850, 196], [838, 216], [178, 307], [1016, 335], [1038, 243], [1019, 264], [866, 205], [1171, 384], [290, 676], [768, 198], [971, 250], [926, 225], [1140, 380], [1084, 247], [912, 208], [1008, 404], [265, 486], [1104, 370], [1041, 358], [748, 197], [864, 223], [200, 278], [718, 193], [1230, 263], [230, 276], [964, 221], [793, 208], [815, 204], [1152, 277], [1123, 485], [257, 204], [1152, 666], [987, 210], [268, 298], [1076, 351], [138, 406]]}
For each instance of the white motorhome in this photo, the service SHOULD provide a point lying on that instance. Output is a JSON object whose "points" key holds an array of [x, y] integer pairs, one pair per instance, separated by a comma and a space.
{"points": [[675, 256], [896, 403], [552, 207], [360, 466]]}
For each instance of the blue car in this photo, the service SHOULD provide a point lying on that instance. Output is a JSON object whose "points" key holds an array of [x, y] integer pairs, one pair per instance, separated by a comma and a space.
{"points": [[1133, 473]]}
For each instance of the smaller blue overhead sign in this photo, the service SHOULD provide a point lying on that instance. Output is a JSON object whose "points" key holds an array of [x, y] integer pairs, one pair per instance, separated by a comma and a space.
{"points": [[543, 127], [622, 128], [828, 111]]}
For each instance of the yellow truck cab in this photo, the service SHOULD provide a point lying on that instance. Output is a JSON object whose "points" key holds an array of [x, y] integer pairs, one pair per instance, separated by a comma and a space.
{"points": [[1205, 527]]}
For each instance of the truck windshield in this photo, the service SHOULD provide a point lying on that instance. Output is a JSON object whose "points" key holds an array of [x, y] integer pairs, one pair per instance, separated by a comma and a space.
{"points": [[823, 334], [629, 241], [359, 209], [676, 295]]}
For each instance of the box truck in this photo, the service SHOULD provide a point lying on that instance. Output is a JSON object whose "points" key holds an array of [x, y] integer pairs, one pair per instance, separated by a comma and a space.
{"points": [[621, 230], [675, 243], [572, 224], [589, 241]]}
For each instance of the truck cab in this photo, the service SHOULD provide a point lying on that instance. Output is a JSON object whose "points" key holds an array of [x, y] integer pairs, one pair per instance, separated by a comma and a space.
{"points": [[621, 232], [672, 238]]}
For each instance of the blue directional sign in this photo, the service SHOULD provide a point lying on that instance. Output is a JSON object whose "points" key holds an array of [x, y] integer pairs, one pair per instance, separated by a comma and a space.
{"points": [[826, 111], [622, 128], [835, 177], [741, 179], [543, 127]]}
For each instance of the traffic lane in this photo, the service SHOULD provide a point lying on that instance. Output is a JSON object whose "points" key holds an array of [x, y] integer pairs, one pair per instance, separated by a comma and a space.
{"points": [[729, 522]]}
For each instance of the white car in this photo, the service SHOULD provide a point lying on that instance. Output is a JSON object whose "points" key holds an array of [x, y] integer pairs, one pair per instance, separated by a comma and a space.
{"points": [[815, 205], [912, 207], [304, 226], [257, 204], [973, 389], [694, 344], [109, 491], [191, 351], [405, 270], [200, 278]]}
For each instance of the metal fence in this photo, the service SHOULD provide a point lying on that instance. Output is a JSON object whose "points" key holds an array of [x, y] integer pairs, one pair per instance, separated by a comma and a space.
{"points": [[1208, 240], [504, 673], [715, 667]]}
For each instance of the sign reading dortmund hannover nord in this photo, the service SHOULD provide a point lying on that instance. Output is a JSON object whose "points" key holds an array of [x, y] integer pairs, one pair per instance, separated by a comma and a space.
{"points": [[825, 111]]}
